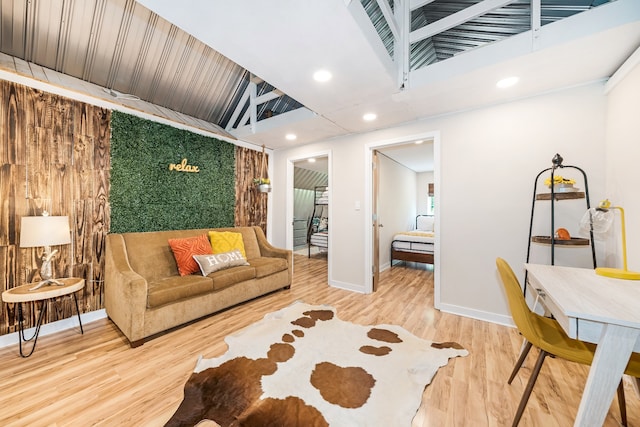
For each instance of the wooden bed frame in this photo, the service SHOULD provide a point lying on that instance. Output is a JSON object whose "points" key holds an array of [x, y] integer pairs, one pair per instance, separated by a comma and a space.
{"points": [[424, 257], [412, 255]]}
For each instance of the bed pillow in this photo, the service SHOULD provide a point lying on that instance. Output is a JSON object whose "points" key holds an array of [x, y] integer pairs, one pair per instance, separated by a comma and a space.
{"points": [[424, 223], [225, 241], [214, 262], [184, 250]]}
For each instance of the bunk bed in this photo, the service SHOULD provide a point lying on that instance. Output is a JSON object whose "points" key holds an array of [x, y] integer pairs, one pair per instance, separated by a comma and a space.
{"points": [[318, 233], [416, 245]]}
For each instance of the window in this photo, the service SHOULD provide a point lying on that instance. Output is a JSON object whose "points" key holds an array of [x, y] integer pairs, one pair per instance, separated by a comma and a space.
{"points": [[431, 200]]}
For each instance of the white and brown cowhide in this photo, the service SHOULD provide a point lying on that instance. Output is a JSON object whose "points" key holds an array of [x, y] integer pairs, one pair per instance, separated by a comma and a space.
{"points": [[302, 366]]}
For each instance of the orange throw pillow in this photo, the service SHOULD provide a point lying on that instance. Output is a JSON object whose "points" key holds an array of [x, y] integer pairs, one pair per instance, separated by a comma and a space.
{"points": [[185, 249]]}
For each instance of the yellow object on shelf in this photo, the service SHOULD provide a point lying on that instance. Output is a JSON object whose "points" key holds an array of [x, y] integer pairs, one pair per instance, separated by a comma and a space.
{"points": [[557, 179]]}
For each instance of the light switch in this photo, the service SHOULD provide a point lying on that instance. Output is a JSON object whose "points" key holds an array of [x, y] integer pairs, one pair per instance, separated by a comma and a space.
{"points": [[357, 205]]}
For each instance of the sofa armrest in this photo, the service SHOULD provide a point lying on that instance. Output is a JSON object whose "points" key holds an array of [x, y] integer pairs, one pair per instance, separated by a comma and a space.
{"points": [[125, 290], [268, 250]]}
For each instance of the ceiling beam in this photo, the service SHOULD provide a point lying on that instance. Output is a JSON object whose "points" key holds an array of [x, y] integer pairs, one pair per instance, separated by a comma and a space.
{"points": [[252, 111], [401, 51], [536, 22], [456, 19], [238, 110], [266, 97], [416, 4]]}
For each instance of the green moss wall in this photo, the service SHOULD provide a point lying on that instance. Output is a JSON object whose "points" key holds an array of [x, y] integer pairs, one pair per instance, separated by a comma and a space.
{"points": [[147, 196]]}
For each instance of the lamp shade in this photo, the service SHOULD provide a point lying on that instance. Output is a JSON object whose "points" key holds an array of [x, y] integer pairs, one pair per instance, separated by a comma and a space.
{"points": [[598, 221], [44, 231]]}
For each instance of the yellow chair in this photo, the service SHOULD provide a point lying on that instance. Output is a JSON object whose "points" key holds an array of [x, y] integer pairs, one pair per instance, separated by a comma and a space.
{"points": [[550, 338]]}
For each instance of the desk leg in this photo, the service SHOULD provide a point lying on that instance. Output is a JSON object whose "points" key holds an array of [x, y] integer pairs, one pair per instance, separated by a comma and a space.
{"points": [[611, 358], [34, 337]]}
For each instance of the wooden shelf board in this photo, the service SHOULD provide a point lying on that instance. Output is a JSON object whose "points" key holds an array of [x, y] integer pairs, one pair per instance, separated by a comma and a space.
{"points": [[574, 241], [561, 196]]}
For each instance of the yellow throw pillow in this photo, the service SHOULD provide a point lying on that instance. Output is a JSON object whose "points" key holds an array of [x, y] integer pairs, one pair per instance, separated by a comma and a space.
{"points": [[225, 241]]}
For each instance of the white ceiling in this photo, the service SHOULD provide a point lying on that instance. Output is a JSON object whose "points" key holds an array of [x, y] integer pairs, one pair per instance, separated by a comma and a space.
{"points": [[319, 164], [417, 157], [285, 41]]}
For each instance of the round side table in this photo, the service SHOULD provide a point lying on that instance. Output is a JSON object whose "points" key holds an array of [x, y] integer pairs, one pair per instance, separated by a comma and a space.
{"points": [[28, 293]]}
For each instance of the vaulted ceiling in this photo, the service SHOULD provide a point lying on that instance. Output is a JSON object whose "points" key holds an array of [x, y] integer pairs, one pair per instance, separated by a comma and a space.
{"points": [[244, 68]]}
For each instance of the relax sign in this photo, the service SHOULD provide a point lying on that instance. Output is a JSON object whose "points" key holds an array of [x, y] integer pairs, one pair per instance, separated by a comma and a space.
{"points": [[183, 167]]}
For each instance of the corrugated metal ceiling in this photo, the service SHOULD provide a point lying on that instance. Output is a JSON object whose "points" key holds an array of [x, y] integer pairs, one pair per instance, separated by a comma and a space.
{"points": [[133, 53], [121, 45], [502, 22], [308, 179]]}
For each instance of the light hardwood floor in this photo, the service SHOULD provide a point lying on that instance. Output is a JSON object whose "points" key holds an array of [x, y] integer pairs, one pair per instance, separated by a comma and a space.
{"points": [[97, 379]]}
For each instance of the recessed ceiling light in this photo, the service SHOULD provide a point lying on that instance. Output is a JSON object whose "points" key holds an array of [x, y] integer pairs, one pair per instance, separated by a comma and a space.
{"points": [[419, 141], [507, 82], [322, 76], [311, 160], [291, 136], [369, 117]]}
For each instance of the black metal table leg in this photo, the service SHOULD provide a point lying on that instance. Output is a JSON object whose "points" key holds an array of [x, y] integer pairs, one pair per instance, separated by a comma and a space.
{"points": [[34, 337], [78, 311]]}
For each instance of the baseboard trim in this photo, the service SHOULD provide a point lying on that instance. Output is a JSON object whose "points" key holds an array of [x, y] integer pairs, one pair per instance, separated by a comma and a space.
{"points": [[477, 314], [92, 316], [53, 327], [346, 286]]}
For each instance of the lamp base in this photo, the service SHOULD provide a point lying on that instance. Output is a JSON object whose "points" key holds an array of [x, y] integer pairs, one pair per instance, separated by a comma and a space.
{"points": [[618, 273], [45, 283]]}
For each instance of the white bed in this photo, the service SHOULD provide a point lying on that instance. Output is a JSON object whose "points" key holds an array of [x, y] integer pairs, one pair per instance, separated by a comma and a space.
{"points": [[415, 245]]}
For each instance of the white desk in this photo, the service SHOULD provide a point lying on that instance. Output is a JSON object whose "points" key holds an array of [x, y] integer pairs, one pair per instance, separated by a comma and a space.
{"points": [[596, 309]]}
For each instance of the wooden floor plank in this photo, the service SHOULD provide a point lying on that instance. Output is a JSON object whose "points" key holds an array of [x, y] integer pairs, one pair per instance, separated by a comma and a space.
{"points": [[96, 379]]}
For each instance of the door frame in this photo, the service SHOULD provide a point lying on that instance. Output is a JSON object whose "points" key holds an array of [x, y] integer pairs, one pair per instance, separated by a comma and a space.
{"points": [[289, 202], [375, 219], [368, 204]]}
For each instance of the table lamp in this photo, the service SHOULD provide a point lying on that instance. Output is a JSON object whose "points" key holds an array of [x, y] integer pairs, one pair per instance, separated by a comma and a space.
{"points": [[599, 220], [45, 231]]}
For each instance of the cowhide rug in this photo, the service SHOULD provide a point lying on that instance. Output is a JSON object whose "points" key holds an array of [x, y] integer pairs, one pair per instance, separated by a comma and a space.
{"points": [[302, 366]]}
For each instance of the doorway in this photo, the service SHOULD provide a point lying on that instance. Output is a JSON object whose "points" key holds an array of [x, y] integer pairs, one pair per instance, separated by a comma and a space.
{"points": [[376, 217], [309, 209]]}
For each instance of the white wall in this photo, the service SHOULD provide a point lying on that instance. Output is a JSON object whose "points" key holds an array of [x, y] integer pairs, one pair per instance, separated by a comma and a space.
{"points": [[623, 163], [489, 158], [396, 204]]}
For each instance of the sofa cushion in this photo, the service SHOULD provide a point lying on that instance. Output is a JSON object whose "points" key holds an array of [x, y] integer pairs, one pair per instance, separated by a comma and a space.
{"points": [[174, 288], [185, 248], [214, 262], [150, 255], [249, 238], [265, 266], [225, 241], [231, 276]]}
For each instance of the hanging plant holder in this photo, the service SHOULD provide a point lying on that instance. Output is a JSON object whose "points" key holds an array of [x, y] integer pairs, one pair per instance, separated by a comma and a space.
{"points": [[264, 188], [263, 183]]}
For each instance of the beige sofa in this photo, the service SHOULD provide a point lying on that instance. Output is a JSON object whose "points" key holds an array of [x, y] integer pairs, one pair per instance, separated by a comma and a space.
{"points": [[145, 295]]}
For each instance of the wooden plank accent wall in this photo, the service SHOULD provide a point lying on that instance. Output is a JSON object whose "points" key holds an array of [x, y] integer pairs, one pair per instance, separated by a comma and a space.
{"points": [[251, 205], [54, 156]]}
